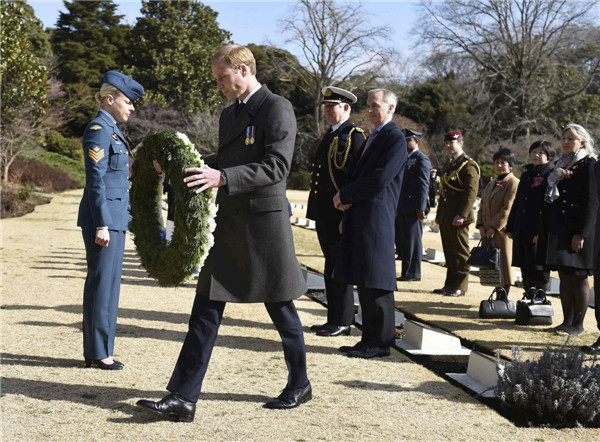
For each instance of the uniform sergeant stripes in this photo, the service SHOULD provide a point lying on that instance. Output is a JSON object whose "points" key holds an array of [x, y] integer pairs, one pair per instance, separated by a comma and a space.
{"points": [[96, 154]]}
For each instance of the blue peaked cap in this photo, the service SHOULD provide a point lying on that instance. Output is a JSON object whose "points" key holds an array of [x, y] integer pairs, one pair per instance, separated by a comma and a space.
{"points": [[131, 88]]}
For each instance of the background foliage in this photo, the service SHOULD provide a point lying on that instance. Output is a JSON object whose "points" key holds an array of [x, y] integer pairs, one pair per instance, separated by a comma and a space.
{"points": [[503, 72]]}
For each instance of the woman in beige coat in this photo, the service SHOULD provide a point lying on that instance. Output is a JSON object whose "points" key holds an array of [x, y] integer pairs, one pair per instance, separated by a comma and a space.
{"points": [[496, 202]]}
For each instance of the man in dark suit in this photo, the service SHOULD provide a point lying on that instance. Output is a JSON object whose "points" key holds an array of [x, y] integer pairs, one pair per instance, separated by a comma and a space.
{"points": [[595, 347], [369, 200], [253, 257], [412, 208], [459, 183], [329, 168]]}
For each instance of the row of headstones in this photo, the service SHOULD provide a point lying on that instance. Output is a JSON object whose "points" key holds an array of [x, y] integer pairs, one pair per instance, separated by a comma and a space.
{"points": [[422, 339]]}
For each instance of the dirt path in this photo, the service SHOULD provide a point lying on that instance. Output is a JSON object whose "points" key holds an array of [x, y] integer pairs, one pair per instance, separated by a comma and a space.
{"points": [[47, 394]]}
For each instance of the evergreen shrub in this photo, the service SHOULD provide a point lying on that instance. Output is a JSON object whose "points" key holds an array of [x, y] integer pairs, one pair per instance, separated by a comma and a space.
{"points": [[68, 147], [299, 180], [560, 389]]}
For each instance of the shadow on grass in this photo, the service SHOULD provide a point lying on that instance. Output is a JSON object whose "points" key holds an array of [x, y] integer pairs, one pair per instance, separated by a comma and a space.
{"points": [[432, 388], [110, 398]]}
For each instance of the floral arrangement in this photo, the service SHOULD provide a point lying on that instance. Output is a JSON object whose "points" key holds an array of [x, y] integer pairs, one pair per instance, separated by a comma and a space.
{"points": [[172, 262]]}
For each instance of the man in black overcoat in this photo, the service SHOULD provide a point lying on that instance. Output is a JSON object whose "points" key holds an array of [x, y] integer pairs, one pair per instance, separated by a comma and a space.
{"points": [[595, 347], [329, 168], [369, 200], [253, 257], [412, 208]]}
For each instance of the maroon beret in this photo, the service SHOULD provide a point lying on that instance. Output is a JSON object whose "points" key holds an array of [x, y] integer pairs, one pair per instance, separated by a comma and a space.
{"points": [[454, 135]]}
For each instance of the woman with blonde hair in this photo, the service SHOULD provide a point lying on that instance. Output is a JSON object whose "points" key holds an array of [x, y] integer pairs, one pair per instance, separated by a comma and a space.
{"points": [[104, 216], [566, 242]]}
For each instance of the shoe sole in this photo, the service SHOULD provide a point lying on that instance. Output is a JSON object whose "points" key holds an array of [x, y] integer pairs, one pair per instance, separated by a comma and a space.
{"points": [[334, 335], [306, 399], [174, 417]]}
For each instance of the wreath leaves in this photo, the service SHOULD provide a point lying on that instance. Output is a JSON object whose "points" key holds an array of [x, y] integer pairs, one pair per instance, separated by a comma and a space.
{"points": [[172, 262]]}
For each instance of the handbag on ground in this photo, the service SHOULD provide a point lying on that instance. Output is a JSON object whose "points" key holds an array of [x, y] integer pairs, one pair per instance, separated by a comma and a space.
{"points": [[534, 308], [498, 308]]}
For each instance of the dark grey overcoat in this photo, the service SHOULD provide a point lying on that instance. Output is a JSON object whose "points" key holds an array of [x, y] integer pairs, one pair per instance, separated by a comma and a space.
{"points": [[253, 258]]}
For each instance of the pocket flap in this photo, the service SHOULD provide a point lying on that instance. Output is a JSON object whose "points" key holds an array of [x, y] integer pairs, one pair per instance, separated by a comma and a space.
{"points": [[265, 204], [114, 193]]}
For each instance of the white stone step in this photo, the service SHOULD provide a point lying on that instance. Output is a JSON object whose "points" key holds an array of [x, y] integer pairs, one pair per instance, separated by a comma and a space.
{"points": [[422, 339], [434, 256], [482, 374]]}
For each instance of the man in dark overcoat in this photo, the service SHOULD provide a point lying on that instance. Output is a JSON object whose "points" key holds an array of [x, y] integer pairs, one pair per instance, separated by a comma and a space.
{"points": [[459, 183], [369, 200], [595, 347], [253, 257], [329, 168], [412, 208]]}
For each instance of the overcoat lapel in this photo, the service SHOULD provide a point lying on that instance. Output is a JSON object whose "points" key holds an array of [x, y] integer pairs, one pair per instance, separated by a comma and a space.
{"points": [[239, 124]]}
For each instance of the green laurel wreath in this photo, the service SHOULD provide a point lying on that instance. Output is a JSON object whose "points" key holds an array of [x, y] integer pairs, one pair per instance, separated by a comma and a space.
{"points": [[172, 262]]}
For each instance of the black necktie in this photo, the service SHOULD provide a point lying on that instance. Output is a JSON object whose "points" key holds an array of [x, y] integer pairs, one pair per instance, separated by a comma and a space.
{"points": [[240, 107]]}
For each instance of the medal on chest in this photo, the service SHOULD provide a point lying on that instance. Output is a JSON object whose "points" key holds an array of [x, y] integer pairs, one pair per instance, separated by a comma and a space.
{"points": [[250, 132]]}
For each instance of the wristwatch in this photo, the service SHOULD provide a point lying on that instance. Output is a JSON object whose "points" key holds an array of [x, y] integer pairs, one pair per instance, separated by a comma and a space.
{"points": [[224, 177]]}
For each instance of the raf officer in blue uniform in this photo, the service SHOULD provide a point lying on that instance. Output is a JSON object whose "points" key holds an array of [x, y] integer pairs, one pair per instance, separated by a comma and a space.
{"points": [[369, 201], [413, 207], [329, 169], [104, 215]]}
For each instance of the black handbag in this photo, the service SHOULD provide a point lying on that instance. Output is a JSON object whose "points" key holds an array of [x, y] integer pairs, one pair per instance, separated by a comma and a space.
{"points": [[499, 308], [534, 308], [487, 256]]}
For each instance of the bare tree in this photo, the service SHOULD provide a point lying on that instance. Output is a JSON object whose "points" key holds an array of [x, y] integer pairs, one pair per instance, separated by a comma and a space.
{"points": [[337, 43], [521, 50]]}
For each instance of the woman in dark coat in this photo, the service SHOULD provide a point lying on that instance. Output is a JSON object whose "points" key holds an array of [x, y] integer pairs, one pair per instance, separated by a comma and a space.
{"points": [[568, 218], [525, 214]]}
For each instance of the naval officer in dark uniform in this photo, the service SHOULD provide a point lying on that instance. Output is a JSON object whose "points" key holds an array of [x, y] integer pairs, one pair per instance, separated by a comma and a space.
{"points": [[104, 215], [329, 169], [413, 207], [459, 183]]}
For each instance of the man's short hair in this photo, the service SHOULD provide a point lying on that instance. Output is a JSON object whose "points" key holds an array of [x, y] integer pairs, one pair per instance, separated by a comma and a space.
{"points": [[388, 96], [236, 55]]}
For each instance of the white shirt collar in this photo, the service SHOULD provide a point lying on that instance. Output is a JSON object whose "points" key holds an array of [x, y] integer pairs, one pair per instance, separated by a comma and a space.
{"points": [[337, 126], [410, 154], [258, 86]]}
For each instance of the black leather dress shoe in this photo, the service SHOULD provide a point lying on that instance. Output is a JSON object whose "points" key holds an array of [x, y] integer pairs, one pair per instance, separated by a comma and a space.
{"points": [[171, 406], [455, 293], [593, 349], [347, 348], [334, 330], [116, 365], [290, 398], [316, 328], [407, 279], [368, 352], [441, 291]]}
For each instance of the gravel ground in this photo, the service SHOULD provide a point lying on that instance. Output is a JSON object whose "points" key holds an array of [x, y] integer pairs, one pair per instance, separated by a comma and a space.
{"points": [[48, 395]]}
